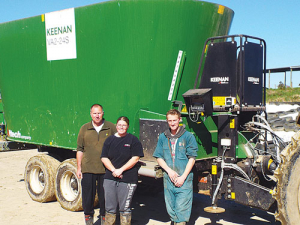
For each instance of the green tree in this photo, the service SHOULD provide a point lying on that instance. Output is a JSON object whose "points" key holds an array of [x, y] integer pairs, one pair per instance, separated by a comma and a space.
{"points": [[281, 86]]}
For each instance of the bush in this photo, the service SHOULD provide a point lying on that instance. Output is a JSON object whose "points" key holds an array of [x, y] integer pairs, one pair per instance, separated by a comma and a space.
{"points": [[281, 86]]}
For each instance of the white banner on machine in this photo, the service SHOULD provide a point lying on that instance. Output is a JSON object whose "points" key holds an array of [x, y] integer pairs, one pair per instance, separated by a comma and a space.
{"points": [[60, 35]]}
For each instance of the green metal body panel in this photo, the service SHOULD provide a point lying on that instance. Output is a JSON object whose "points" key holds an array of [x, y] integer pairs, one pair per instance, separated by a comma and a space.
{"points": [[126, 55], [1, 113]]}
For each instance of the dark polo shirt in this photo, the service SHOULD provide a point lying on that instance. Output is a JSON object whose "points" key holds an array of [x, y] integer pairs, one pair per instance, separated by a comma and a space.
{"points": [[90, 143]]}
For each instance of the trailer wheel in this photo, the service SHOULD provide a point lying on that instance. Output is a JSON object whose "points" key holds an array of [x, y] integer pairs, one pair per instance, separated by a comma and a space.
{"points": [[68, 186], [39, 177], [287, 192]]}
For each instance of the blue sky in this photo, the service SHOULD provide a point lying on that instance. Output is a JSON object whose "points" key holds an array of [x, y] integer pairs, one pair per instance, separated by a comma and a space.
{"points": [[275, 21]]}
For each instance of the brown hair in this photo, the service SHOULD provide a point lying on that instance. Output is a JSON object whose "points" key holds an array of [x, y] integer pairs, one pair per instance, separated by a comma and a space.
{"points": [[173, 112], [124, 118], [96, 105]]}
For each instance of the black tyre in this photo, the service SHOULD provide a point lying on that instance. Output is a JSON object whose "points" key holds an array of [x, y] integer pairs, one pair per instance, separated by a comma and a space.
{"points": [[287, 192], [278, 123], [278, 128], [290, 127], [39, 177], [68, 186], [272, 116], [289, 119], [282, 113]]}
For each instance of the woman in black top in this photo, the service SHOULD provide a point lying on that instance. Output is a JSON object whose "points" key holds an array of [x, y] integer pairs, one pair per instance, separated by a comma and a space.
{"points": [[120, 154]]}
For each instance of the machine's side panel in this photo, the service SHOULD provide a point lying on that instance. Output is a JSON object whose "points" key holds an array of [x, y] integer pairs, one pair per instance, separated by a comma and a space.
{"points": [[124, 63]]}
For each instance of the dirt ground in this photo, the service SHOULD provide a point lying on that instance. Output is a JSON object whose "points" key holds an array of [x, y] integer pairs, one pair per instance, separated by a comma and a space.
{"points": [[16, 207]]}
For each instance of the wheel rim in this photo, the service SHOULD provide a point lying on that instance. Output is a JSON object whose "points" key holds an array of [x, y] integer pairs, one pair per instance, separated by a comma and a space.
{"points": [[69, 186], [37, 180]]}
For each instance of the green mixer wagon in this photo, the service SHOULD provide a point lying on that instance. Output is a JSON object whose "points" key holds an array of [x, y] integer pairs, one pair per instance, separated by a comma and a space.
{"points": [[121, 54]]}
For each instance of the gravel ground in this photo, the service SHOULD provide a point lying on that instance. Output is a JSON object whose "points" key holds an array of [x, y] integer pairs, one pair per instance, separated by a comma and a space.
{"points": [[16, 207]]}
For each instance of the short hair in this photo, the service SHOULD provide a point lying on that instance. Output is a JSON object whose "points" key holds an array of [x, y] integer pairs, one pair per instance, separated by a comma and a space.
{"points": [[124, 118], [96, 105], [173, 112]]}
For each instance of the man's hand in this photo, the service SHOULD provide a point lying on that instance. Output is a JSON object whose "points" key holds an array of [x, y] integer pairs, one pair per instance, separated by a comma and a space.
{"points": [[179, 181], [79, 174], [79, 156], [173, 175]]}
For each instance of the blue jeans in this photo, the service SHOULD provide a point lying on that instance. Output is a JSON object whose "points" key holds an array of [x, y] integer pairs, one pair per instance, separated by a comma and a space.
{"points": [[179, 199]]}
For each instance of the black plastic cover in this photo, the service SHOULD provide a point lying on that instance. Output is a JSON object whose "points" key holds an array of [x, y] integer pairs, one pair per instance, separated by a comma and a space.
{"points": [[253, 74], [219, 71]]}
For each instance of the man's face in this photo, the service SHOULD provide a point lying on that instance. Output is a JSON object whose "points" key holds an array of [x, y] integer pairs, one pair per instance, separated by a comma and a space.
{"points": [[173, 121], [97, 115]]}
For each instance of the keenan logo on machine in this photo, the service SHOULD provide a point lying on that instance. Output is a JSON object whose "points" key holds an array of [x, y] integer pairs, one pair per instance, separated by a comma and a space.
{"points": [[60, 35], [220, 80], [18, 135], [254, 80]]}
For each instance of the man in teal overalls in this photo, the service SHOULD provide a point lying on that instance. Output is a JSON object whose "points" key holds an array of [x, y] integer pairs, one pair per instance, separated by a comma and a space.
{"points": [[176, 151]]}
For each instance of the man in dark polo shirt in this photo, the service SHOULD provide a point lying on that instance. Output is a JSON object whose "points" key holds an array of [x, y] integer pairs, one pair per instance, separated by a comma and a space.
{"points": [[89, 166]]}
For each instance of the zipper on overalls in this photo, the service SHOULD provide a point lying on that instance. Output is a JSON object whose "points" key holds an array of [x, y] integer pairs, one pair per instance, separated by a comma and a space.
{"points": [[173, 158]]}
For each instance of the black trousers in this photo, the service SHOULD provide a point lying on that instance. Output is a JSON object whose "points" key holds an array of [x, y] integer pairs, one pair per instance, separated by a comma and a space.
{"points": [[91, 183]]}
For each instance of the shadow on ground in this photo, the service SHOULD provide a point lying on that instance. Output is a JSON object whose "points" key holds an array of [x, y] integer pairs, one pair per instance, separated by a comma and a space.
{"points": [[146, 207]]}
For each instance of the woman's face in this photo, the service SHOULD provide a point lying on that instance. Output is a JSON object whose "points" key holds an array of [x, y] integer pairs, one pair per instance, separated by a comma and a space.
{"points": [[122, 128]]}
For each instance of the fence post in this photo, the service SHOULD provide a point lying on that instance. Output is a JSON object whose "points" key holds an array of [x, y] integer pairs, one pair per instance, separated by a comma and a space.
{"points": [[291, 82]]}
